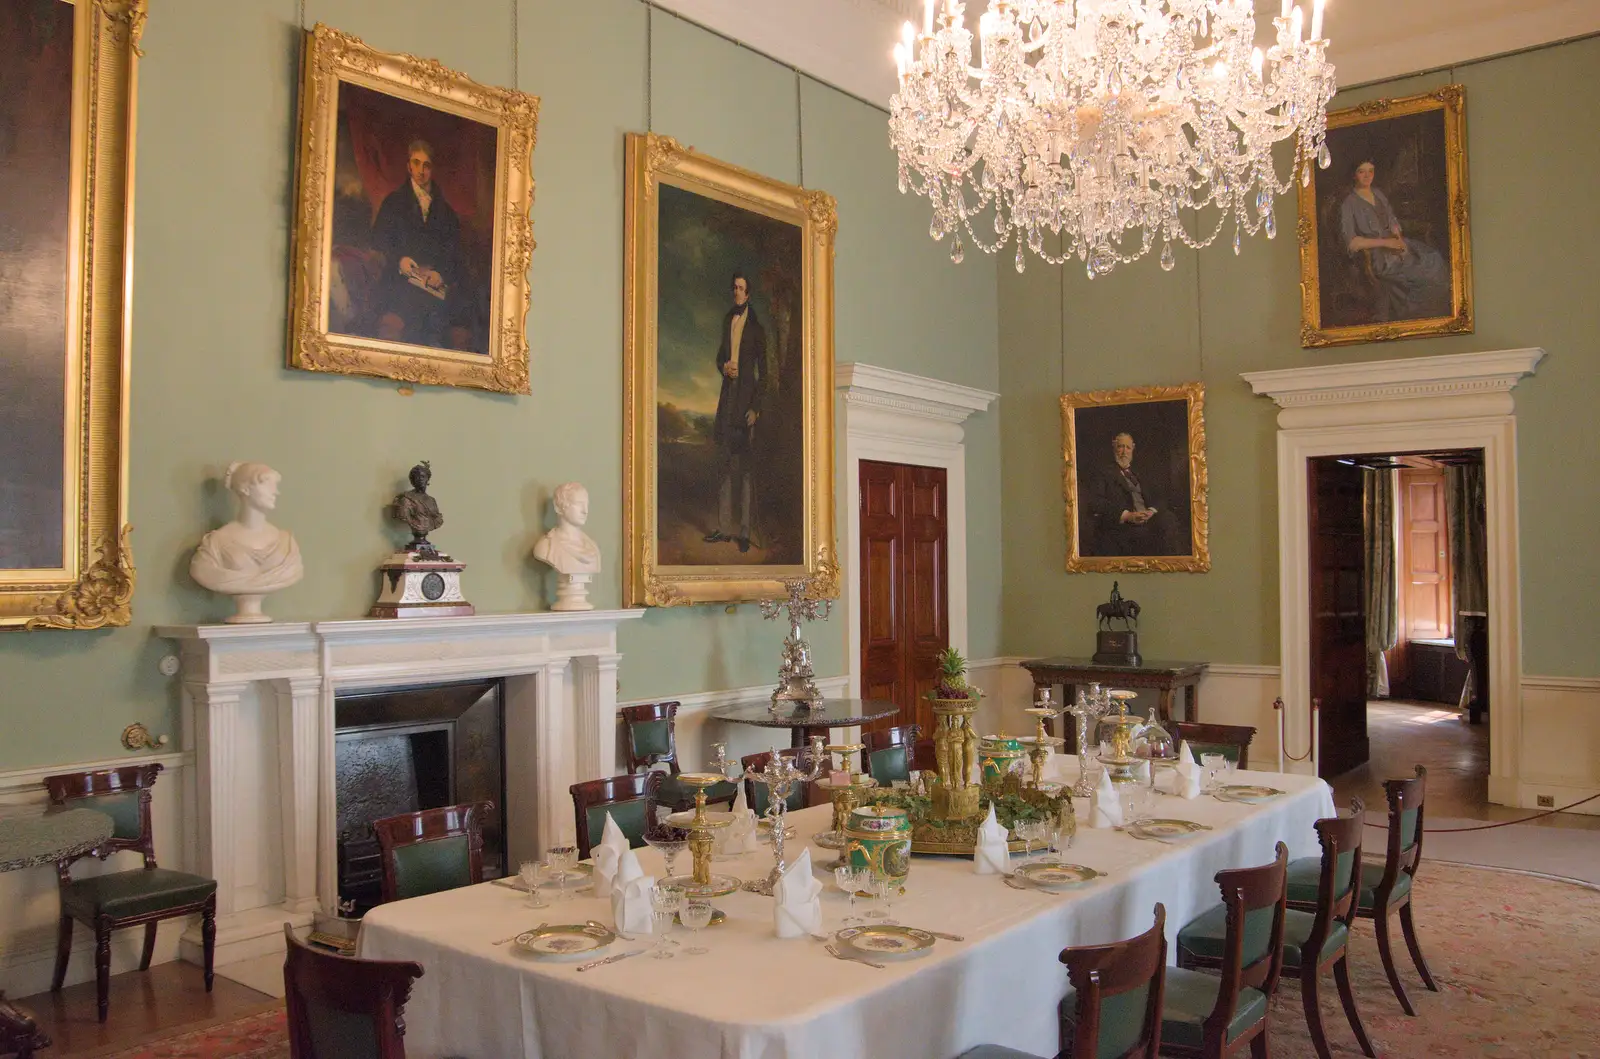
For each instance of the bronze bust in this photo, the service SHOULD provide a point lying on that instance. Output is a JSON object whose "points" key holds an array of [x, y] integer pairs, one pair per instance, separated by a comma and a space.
{"points": [[419, 511]]}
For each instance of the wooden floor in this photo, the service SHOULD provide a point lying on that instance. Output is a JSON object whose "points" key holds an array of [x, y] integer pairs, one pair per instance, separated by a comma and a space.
{"points": [[1456, 754], [168, 999]]}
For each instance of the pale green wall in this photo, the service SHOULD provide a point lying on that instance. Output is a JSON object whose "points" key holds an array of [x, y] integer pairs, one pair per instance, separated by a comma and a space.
{"points": [[1532, 165], [215, 170]]}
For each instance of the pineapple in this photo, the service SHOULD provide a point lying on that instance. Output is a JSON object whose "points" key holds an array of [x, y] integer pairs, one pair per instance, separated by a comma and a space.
{"points": [[953, 677]]}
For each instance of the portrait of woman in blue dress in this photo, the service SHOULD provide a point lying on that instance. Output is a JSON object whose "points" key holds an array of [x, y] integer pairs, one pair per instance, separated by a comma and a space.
{"points": [[1411, 278]]}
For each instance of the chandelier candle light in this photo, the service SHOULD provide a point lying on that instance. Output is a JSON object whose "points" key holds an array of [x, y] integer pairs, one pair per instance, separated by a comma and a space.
{"points": [[1103, 121]]}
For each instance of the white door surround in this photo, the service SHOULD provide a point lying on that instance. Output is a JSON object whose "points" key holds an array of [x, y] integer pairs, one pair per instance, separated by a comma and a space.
{"points": [[1445, 402], [258, 712], [901, 418]]}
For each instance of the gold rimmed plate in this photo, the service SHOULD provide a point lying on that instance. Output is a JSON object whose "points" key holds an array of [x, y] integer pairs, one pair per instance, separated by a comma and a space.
{"points": [[885, 942], [1057, 876], [1247, 792], [564, 941], [1163, 828]]}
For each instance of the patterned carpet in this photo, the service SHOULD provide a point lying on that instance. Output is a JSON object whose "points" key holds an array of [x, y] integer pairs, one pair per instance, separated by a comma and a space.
{"points": [[259, 1036], [1514, 956]]}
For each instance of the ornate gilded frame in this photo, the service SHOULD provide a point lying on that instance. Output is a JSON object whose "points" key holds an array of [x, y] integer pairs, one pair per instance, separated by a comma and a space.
{"points": [[329, 57], [651, 161], [1199, 558], [1451, 100], [94, 586]]}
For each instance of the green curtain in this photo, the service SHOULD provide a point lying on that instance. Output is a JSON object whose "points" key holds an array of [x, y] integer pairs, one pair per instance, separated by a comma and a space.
{"points": [[1382, 585], [1465, 510]]}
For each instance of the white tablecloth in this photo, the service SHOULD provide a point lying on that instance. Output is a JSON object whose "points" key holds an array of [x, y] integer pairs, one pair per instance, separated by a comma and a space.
{"points": [[756, 997]]}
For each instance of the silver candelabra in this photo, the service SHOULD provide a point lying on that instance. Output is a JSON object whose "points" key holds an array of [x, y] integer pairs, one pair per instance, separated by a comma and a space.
{"points": [[779, 777], [796, 682], [1093, 706]]}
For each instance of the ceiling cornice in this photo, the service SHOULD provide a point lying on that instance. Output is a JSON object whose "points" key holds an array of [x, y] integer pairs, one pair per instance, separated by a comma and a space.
{"points": [[847, 43]]}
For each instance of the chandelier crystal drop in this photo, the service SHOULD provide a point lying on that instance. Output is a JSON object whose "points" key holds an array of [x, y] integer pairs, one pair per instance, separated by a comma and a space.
{"points": [[1105, 121]]}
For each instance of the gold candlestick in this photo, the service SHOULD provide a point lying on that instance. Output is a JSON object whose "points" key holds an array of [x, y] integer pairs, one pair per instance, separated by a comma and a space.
{"points": [[702, 828], [1041, 742], [846, 796]]}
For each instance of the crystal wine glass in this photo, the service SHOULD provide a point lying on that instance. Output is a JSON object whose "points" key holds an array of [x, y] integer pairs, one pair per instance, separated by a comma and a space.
{"points": [[664, 904], [532, 873], [670, 841], [1213, 764], [695, 915], [848, 879], [562, 858], [885, 889]]}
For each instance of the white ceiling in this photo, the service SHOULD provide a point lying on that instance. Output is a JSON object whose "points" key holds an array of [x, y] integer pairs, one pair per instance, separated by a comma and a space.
{"points": [[847, 43]]}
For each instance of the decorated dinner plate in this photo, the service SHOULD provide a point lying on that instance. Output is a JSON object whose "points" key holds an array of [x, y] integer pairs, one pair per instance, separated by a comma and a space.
{"points": [[565, 941], [885, 941], [1165, 828], [1244, 792], [1057, 876]]}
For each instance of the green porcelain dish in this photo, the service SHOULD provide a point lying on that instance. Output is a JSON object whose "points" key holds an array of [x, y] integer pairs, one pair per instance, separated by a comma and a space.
{"points": [[878, 838], [998, 755]]}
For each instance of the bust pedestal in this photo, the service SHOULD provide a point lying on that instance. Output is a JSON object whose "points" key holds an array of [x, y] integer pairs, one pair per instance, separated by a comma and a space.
{"points": [[247, 610], [420, 584], [572, 592]]}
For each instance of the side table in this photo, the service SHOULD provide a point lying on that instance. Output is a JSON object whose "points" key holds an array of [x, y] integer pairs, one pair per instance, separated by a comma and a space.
{"points": [[1167, 677]]}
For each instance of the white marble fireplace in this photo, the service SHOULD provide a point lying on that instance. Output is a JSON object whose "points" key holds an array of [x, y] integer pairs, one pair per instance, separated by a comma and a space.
{"points": [[258, 711]]}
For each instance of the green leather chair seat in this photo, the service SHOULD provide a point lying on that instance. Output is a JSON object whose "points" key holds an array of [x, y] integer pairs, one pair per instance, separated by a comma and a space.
{"points": [[675, 794], [651, 738], [1188, 1001], [1297, 928], [630, 818], [124, 894], [1305, 875], [890, 764], [1204, 934], [995, 1051]]}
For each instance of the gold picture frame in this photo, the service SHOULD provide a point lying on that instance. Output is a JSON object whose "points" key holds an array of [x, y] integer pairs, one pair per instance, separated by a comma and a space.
{"points": [[778, 239], [364, 114], [92, 585], [1378, 294], [1166, 431]]}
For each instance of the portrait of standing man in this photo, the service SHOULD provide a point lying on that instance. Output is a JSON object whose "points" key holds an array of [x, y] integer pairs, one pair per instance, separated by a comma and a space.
{"points": [[741, 361]]}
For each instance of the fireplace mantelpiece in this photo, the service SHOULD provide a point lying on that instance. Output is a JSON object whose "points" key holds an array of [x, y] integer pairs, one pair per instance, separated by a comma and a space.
{"points": [[258, 711]]}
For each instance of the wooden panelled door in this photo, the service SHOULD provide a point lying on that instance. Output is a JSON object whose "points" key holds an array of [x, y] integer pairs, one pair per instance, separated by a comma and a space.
{"points": [[1338, 614], [905, 619], [1424, 556]]}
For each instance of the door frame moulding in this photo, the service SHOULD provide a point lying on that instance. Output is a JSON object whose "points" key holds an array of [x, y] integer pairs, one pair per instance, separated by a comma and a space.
{"points": [[902, 418], [1454, 401]]}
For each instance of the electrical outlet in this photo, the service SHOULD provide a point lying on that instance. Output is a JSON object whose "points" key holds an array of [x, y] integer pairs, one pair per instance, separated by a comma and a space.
{"points": [[1546, 801]]}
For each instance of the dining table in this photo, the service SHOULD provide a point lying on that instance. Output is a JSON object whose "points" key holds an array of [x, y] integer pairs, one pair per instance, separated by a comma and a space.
{"points": [[756, 996]]}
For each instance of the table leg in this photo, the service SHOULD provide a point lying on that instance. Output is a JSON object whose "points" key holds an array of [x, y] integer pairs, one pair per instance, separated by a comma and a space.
{"points": [[1165, 703], [1069, 723], [1191, 703]]}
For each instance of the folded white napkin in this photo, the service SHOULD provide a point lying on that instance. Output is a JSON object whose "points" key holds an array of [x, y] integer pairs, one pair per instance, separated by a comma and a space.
{"points": [[797, 900], [1104, 808], [613, 844], [741, 834], [630, 904], [991, 855], [1142, 770], [1189, 773]]}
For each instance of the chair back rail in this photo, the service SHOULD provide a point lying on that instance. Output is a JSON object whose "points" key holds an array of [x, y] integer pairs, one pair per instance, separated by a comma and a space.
{"points": [[650, 735], [755, 794], [121, 793], [1235, 737], [1102, 973], [1404, 852], [1247, 893], [1339, 885], [591, 796], [400, 838], [341, 1007]]}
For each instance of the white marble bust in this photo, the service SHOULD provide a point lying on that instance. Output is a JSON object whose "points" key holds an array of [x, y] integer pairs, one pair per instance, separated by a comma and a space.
{"points": [[567, 548], [248, 557]]}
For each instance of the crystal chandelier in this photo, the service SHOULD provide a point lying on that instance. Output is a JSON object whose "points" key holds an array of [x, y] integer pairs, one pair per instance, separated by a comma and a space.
{"points": [[1105, 121]]}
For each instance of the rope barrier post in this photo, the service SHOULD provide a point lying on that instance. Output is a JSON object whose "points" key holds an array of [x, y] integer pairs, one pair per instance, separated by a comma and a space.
{"points": [[1316, 737], [1277, 708]]}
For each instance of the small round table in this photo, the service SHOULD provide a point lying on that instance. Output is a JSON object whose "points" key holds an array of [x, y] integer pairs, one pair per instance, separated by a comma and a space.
{"points": [[804, 723], [29, 838]]}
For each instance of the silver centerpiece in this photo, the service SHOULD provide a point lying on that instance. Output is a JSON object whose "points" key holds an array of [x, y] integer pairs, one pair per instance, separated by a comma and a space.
{"points": [[779, 777], [796, 682], [1089, 707]]}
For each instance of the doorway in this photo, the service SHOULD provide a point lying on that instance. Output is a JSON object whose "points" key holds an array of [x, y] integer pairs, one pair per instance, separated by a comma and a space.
{"points": [[905, 609], [1398, 615]]}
